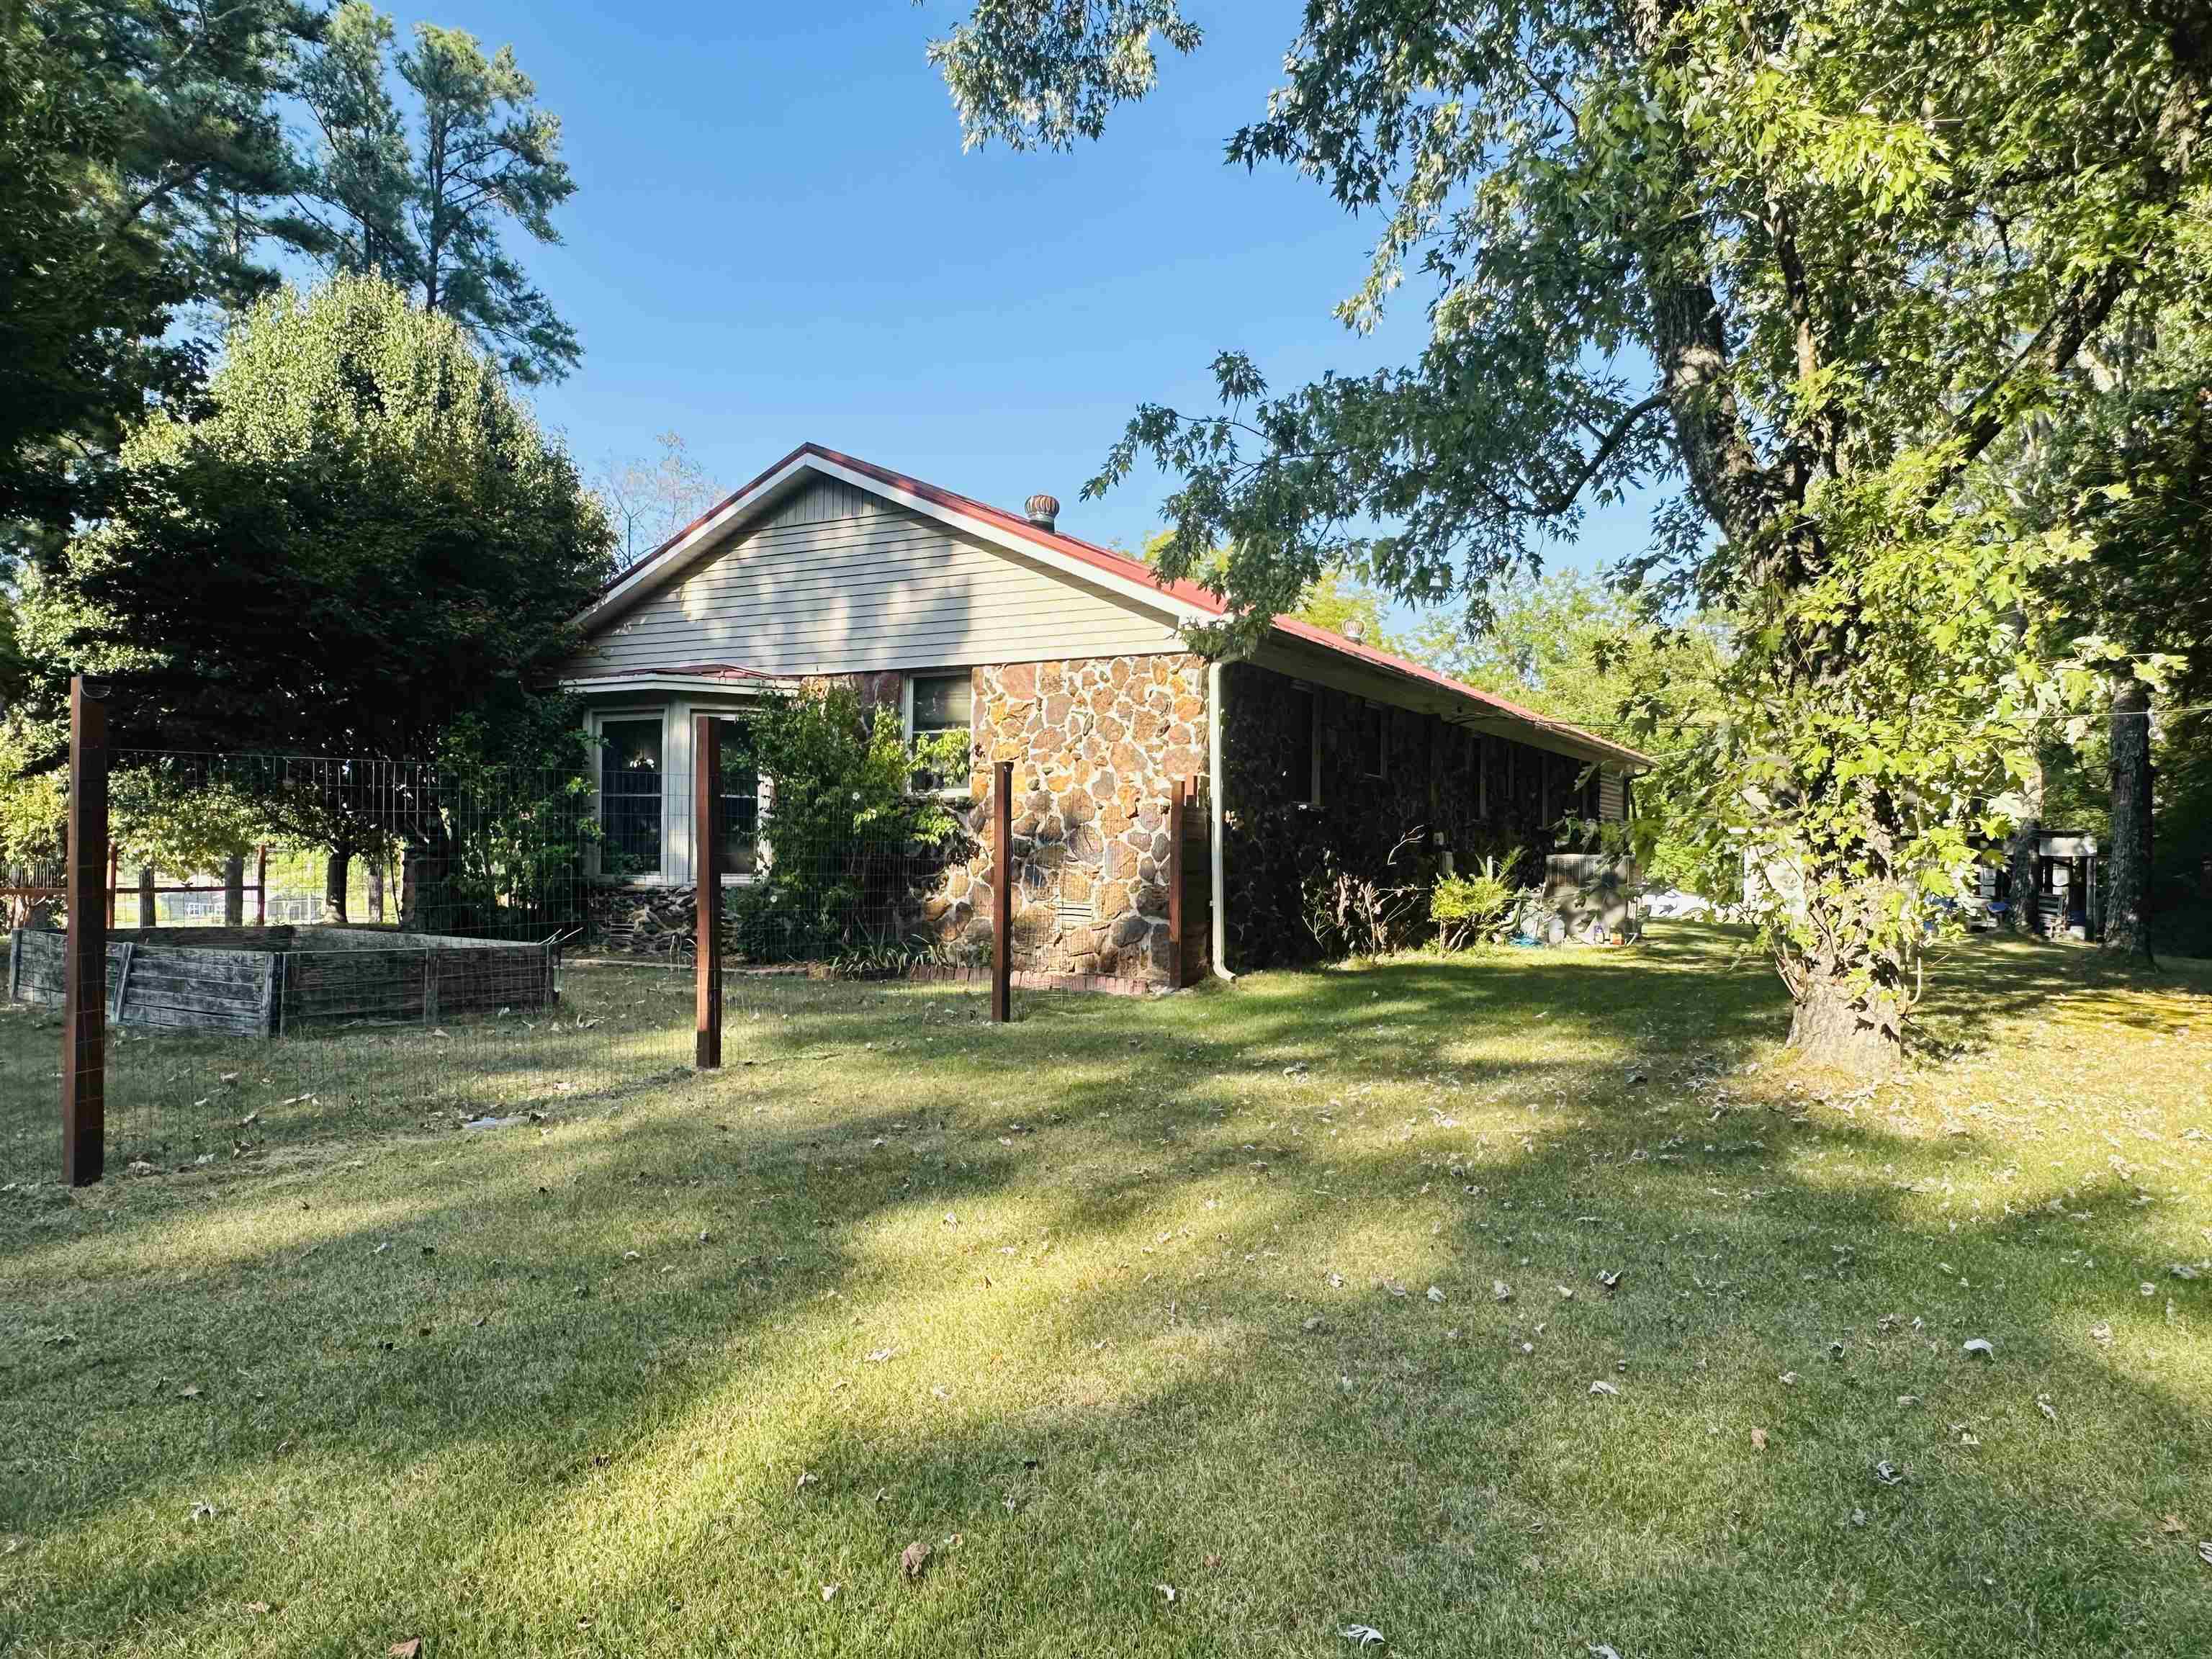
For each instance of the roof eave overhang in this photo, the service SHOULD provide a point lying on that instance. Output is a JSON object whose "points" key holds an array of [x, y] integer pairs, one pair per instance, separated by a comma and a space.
{"points": [[1322, 664], [647, 680]]}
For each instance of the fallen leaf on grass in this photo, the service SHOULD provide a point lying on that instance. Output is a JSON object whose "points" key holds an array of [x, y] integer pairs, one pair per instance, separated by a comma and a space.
{"points": [[2043, 1404], [1168, 1590], [1366, 1635], [1759, 1440], [406, 1650], [1603, 1387], [1981, 1345], [914, 1559], [830, 1592], [1501, 1289], [1435, 1295], [2170, 1525]]}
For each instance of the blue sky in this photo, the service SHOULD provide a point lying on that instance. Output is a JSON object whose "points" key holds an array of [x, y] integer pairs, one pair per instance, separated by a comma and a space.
{"points": [[776, 237]]}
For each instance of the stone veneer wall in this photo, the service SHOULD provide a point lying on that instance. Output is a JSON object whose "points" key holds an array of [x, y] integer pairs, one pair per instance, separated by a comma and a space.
{"points": [[1097, 743]]}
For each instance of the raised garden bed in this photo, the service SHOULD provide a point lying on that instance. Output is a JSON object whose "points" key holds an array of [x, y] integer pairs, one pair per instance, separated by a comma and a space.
{"points": [[265, 981]]}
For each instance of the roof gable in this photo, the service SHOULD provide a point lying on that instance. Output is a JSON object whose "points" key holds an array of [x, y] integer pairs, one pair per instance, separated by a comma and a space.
{"points": [[746, 507]]}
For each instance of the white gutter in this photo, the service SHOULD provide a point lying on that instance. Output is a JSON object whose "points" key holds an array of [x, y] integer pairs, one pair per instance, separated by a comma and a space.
{"points": [[1214, 818]]}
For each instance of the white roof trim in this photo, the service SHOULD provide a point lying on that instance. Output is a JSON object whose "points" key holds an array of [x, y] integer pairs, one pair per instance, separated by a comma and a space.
{"points": [[673, 559], [655, 680]]}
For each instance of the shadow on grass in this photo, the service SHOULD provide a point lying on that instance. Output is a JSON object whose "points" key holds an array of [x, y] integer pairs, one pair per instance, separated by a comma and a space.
{"points": [[1132, 1397]]}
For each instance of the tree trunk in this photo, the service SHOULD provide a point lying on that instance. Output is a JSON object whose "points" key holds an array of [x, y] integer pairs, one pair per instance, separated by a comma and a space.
{"points": [[233, 891], [427, 898], [1864, 1034], [2020, 856], [2127, 868], [337, 869], [375, 872], [146, 899]]}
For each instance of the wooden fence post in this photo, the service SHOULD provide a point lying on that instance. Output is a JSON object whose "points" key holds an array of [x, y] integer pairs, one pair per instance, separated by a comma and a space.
{"points": [[1002, 893], [261, 885], [1175, 884], [706, 796], [84, 963]]}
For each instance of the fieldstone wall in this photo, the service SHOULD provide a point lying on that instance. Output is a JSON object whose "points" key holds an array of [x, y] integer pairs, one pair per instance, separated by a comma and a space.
{"points": [[1097, 744], [643, 920], [1460, 790]]}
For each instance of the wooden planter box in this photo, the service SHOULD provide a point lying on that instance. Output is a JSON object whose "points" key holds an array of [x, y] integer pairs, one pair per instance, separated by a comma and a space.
{"points": [[265, 981]]}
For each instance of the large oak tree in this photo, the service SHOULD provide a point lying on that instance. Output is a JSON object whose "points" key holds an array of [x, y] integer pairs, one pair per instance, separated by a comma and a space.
{"points": [[1806, 264]]}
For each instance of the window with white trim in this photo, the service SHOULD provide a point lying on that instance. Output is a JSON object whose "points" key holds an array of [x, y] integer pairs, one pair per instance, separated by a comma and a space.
{"points": [[632, 799], [942, 706]]}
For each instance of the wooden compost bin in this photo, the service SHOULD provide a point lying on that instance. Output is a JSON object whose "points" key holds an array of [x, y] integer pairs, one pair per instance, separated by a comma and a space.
{"points": [[265, 981]]}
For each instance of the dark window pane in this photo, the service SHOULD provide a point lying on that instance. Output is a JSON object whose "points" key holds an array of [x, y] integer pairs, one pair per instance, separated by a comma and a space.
{"points": [[629, 796], [942, 703], [1299, 783]]}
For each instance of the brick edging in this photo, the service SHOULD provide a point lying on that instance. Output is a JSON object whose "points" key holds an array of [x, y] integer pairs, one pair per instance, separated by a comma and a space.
{"points": [[1025, 980]]}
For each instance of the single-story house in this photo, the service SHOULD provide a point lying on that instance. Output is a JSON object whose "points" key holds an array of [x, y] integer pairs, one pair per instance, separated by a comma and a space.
{"points": [[1068, 659]]}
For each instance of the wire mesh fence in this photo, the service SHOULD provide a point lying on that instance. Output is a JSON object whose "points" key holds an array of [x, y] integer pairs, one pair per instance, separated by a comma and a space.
{"points": [[310, 947]]}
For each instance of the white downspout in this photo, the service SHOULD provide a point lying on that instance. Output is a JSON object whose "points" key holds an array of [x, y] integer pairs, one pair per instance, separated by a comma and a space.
{"points": [[1219, 950]]}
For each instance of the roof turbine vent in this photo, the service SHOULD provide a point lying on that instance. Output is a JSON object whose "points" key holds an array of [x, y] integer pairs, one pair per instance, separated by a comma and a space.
{"points": [[1356, 631], [1042, 510]]}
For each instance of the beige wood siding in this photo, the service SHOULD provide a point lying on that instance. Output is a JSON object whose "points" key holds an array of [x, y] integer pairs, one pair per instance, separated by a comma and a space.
{"points": [[836, 580]]}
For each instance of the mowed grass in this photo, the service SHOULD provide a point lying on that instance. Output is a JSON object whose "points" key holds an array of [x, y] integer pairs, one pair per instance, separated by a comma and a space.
{"points": [[1104, 1309]]}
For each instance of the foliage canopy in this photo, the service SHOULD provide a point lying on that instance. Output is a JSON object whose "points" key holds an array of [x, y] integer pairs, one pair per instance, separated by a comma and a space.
{"points": [[1806, 264]]}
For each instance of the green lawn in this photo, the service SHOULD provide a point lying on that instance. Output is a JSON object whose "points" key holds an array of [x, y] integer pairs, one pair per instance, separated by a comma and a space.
{"points": [[1105, 1308]]}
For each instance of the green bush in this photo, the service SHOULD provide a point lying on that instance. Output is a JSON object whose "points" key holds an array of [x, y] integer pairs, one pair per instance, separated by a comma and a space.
{"points": [[848, 846], [1475, 908]]}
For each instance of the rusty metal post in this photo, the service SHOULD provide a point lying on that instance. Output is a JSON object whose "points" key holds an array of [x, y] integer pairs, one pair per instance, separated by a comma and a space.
{"points": [[84, 962], [1002, 893], [1175, 884], [261, 885], [706, 791]]}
